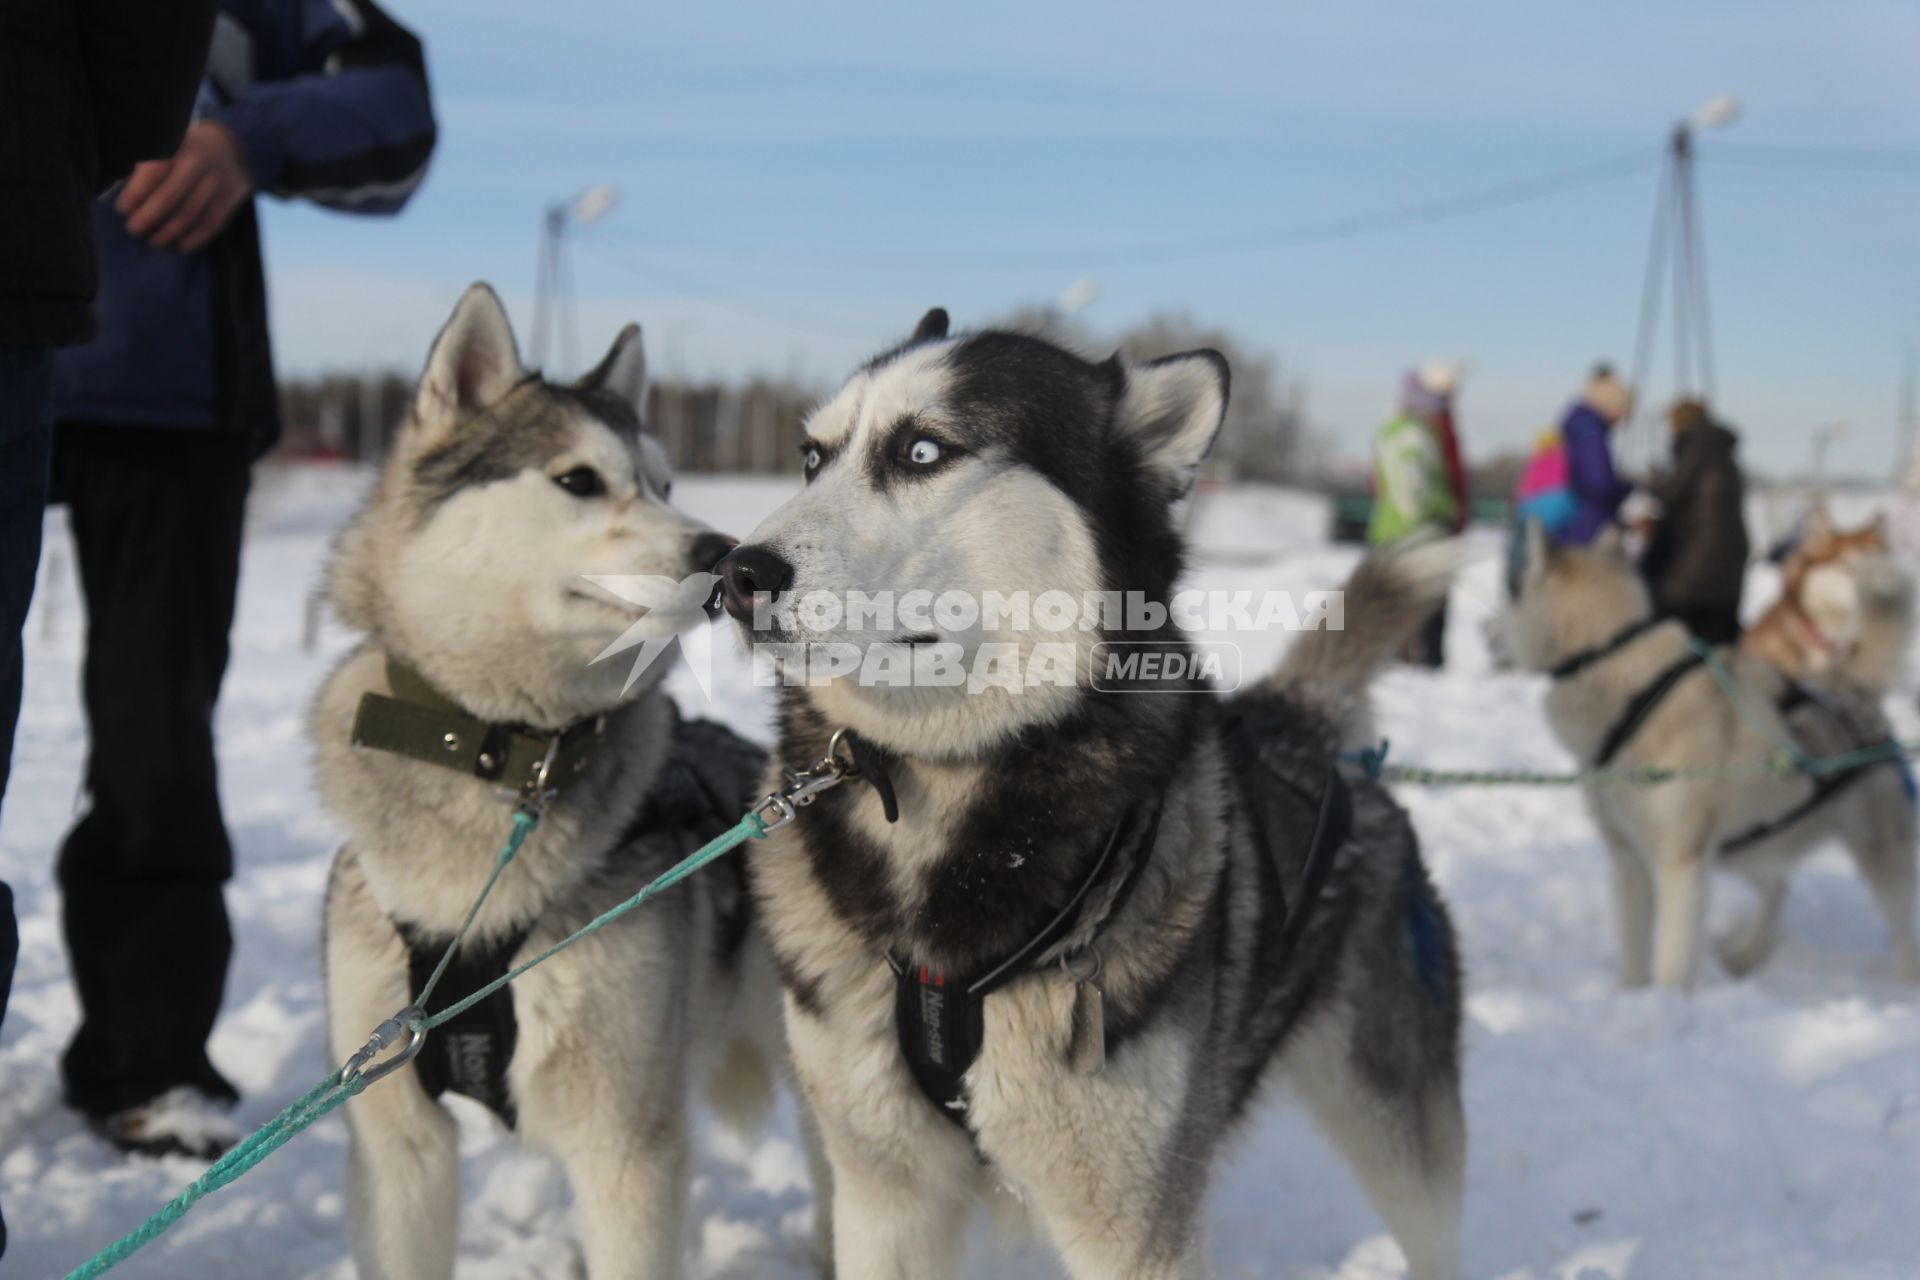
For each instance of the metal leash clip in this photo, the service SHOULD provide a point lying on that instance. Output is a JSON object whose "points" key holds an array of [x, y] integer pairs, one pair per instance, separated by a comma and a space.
{"points": [[385, 1035], [534, 795], [777, 808]]}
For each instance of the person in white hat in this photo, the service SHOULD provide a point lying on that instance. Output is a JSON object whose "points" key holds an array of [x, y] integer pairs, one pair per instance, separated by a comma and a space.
{"points": [[1420, 485]]}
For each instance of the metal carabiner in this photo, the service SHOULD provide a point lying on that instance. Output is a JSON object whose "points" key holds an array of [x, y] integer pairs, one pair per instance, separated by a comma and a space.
{"points": [[777, 808], [845, 768], [362, 1063]]}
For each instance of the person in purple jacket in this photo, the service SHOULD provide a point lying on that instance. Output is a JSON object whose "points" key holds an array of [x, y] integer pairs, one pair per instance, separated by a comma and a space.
{"points": [[158, 421], [1597, 488]]}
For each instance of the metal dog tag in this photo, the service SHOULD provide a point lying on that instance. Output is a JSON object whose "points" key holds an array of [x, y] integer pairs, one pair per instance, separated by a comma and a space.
{"points": [[1087, 1047]]}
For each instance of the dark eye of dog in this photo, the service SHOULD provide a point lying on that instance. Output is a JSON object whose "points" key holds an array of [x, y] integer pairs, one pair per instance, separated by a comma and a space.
{"points": [[581, 482]]}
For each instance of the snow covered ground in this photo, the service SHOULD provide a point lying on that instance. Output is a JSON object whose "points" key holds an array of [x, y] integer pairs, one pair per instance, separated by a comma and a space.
{"points": [[1764, 1130]]}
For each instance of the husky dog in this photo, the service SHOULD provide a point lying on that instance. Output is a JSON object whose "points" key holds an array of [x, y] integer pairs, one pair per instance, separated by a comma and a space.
{"points": [[1845, 610], [1629, 692], [1100, 922], [465, 571]]}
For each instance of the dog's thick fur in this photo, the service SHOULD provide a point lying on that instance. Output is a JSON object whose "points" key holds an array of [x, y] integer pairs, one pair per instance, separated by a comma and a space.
{"points": [[1845, 612], [1664, 839], [1056, 473], [466, 564]]}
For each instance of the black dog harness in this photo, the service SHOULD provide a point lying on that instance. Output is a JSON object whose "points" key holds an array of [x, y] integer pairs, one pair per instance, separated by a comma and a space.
{"points": [[1825, 785], [469, 1053], [939, 1016], [1642, 704]]}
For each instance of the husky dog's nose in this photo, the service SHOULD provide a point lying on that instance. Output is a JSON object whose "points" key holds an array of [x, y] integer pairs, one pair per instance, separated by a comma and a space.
{"points": [[707, 550], [748, 571]]}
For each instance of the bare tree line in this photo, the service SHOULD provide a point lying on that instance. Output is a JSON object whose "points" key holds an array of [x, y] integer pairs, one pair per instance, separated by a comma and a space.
{"points": [[756, 425]]}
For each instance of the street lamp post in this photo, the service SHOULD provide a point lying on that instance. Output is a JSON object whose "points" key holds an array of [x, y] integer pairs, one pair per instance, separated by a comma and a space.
{"points": [[1823, 438], [553, 274], [1675, 218]]}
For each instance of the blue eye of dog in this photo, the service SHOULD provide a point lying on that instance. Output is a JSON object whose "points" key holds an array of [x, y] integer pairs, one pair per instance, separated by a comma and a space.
{"points": [[811, 460], [581, 482], [924, 452]]}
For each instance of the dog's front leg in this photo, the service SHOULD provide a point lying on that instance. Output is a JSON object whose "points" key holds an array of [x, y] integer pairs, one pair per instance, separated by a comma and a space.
{"points": [[403, 1158], [903, 1178], [1633, 906], [603, 1086], [403, 1182], [630, 1177], [1680, 871]]}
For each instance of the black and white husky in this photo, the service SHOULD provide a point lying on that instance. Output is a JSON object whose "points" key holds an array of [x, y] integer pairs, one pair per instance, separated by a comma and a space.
{"points": [[1066, 968], [465, 570]]}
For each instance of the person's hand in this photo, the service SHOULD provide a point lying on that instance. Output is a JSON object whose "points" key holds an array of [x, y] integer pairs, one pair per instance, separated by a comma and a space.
{"points": [[181, 203]]}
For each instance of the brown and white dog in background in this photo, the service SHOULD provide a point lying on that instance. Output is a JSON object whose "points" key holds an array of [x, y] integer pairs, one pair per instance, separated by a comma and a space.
{"points": [[1845, 610]]}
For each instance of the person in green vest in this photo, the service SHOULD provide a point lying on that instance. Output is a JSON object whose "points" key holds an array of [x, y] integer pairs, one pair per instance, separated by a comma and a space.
{"points": [[1414, 493]]}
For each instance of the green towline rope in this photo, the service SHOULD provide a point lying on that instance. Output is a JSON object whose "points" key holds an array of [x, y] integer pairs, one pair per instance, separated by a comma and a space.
{"points": [[338, 1087], [524, 821], [751, 827], [1787, 761], [1780, 766], [267, 1139]]}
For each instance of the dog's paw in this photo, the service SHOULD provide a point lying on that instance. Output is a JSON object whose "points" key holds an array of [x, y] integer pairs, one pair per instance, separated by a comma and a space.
{"points": [[1740, 954]]}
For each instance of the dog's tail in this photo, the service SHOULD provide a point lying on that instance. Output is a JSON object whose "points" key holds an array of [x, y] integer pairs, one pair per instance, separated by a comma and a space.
{"points": [[1878, 660], [1388, 598]]}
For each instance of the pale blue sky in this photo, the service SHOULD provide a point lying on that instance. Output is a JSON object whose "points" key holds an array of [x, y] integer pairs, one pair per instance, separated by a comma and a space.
{"points": [[925, 136]]}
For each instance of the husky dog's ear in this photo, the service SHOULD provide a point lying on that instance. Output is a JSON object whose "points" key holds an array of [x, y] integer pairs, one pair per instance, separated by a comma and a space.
{"points": [[1172, 409], [1818, 534], [932, 326], [623, 371], [474, 362]]}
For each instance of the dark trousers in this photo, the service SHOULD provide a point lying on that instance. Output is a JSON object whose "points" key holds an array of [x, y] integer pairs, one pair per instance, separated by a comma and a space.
{"points": [[25, 375], [1427, 646], [156, 517], [1710, 623]]}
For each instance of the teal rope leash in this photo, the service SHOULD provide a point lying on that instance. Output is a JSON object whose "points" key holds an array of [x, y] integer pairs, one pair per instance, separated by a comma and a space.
{"points": [[770, 814], [316, 1102], [1790, 759], [751, 827], [525, 818], [267, 1139]]}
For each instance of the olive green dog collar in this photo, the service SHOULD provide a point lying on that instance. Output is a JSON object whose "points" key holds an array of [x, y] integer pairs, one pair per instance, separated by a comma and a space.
{"points": [[421, 723]]}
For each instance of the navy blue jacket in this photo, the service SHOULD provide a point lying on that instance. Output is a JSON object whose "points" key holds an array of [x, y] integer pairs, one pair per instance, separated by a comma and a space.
{"points": [[328, 100]]}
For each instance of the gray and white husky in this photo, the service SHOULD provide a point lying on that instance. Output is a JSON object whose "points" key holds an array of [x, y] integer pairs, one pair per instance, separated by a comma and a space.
{"points": [[1063, 970], [465, 569], [1629, 692]]}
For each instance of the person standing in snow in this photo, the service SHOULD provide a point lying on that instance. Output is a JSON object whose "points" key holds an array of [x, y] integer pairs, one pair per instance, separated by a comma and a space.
{"points": [[1594, 485], [1696, 558], [1419, 485], [159, 420], [1568, 485], [118, 77]]}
